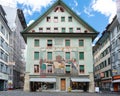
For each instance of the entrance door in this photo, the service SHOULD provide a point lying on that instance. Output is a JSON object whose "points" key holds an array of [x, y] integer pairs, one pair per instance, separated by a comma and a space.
{"points": [[115, 87], [63, 84]]}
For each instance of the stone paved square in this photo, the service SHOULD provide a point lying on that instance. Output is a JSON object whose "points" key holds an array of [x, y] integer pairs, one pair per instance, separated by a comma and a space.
{"points": [[22, 93]]}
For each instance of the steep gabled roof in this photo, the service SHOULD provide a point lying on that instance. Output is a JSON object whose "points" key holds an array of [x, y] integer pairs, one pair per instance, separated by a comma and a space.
{"points": [[59, 2]]}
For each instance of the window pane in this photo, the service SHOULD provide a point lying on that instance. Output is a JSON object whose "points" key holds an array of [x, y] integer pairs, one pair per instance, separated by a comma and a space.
{"points": [[81, 55], [49, 56], [36, 68], [36, 55], [49, 43], [81, 68], [63, 30], [81, 43], [67, 55], [71, 30], [67, 42], [67, 67], [49, 68], [62, 19], [36, 43], [70, 18]]}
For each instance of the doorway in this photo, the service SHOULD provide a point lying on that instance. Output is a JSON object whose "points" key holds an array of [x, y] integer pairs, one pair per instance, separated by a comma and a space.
{"points": [[63, 84]]}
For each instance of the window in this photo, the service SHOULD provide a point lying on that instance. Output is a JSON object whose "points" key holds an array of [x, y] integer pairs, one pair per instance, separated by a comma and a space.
{"points": [[81, 43], [63, 30], [70, 19], [36, 68], [48, 19], [118, 28], [67, 55], [49, 55], [49, 43], [55, 19], [49, 68], [2, 29], [48, 30], [108, 61], [71, 30], [40, 29], [62, 19], [33, 31], [36, 42], [36, 55], [81, 69], [55, 29], [67, 42], [78, 29], [81, 55], [59, 9], [67, 68]]}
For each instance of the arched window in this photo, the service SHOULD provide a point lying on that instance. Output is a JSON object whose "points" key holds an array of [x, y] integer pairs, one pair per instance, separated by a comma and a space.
{"points": [[59, 9]]}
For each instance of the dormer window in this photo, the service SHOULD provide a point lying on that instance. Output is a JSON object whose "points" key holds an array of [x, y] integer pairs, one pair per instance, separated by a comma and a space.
{"points": [[48, 19], [59, 9]]}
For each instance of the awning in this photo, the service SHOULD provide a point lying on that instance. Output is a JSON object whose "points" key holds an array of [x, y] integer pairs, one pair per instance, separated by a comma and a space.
{"points": [[116, 81], [80, 79], [43, 79]]}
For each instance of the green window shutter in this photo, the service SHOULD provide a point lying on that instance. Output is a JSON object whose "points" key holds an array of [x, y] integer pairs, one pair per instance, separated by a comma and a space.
{"points": [[81, 67], [67, 55], [36, 43], [67, 42], [36, 55], [43, 66], [49, 56], [49, 41], [63, 30], [67, 68], [81, 43], [71, 30], [62, 19], [81, 55]]}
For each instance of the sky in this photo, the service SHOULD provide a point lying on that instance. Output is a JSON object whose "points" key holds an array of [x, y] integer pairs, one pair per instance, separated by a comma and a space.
{"points": [[97, 13]]}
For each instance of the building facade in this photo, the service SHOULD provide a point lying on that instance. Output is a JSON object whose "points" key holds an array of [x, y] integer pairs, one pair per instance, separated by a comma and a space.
{"points": [[16, 22], [102, 64], [4, 50], [59, 51], [114, 29]]}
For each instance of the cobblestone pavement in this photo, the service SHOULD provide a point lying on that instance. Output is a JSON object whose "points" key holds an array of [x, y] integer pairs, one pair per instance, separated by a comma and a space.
{"points": [[22, 93]]}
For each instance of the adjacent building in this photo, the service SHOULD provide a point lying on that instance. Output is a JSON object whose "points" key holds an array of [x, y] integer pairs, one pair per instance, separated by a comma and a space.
{"points": [[59, 51], [16, 22], [102, 63], [114, 30], [4, 50]]}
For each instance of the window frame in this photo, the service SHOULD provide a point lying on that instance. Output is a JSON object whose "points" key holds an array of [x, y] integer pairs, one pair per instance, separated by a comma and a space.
{"points": [[35, 43], [48, 56], [48, 19], [81, 58], [38, 55], [67, 45], [80, 70], [82, 43]]}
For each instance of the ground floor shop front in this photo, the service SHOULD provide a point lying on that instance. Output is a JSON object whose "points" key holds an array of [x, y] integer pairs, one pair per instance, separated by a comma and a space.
{"points": [[59, 83]]}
